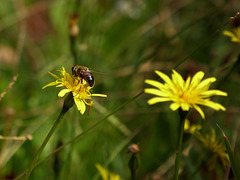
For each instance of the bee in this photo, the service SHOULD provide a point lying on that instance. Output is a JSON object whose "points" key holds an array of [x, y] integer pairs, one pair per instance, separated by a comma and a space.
{"points": [[84, 73]]}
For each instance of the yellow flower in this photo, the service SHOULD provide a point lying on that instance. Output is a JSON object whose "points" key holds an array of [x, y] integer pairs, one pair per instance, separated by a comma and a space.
{"points": [[106, 175], [184, 94], [79, 88], [191, 129], [215, 145], [234, 35]]}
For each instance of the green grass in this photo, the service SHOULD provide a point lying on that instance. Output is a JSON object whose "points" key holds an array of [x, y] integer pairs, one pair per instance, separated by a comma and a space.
{"points": [[125, 46]]}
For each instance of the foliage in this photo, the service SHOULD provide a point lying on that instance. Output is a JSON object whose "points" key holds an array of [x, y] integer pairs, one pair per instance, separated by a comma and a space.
{"points": [[123, 42]]}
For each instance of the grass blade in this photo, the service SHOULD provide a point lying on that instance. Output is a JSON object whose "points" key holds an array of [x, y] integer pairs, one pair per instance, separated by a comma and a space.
{"points": [[232, 157]]}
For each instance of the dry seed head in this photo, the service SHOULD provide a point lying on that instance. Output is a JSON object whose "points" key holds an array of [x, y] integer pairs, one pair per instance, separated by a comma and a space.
{"points": [[235, 25], [134, 149], [73, 25], [236, 20]]}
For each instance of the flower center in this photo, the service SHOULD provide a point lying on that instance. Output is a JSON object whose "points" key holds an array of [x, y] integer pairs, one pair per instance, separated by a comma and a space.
{"points": [[188, 97]]}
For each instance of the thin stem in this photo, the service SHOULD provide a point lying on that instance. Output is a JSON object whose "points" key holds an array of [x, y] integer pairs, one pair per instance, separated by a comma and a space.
{"points": [[233, 160], [195, 50], [67, 104], [82, 133], [133, 166], [183, 115], [233, 69], [73, 48], [73, 33], [44, 143]]}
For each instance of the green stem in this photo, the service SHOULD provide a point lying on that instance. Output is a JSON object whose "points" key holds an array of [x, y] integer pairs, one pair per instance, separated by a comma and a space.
{"points": [[82, 133], [132, 164], [233, 69], [73, 39], [68, 103], [183, 115], [73, 48], [233, 159]]}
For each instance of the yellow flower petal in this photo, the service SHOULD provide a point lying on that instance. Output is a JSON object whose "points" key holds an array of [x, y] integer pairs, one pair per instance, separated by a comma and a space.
{"points": [[157, 100], [186, 125], [69, 79], [50, 84], [60, 85], [54, 75], [63, 92], [154, 92], [215, 106], [228, 33], [197, 78], [199, 110], [215, 145], [192, 129], [187, 83], [185, 94], [106, 175], [80, 105], [79, 88], [154, 83], [185, 106], [214, 93], [233, 37], [164, 77], [88, 102], [206, 83], [99, 95], [177, 79], [174, 106]]}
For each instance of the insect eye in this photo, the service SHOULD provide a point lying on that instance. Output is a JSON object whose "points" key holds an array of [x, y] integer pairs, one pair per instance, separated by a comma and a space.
{"points": [[73, 68]]}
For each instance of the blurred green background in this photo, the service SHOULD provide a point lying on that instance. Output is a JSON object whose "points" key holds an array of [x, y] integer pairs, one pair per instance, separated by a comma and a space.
{"points": [[125, 41]]}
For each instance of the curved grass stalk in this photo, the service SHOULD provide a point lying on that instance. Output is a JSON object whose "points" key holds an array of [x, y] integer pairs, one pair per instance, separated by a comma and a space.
{"points": [[233, 159], [119, 148], [27, 172], [68, 103], [113, 120], [183, 115]]}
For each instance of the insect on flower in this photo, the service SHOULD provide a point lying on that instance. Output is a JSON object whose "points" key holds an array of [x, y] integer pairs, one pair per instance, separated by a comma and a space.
{"points": [[80, 88], [84, 73]]}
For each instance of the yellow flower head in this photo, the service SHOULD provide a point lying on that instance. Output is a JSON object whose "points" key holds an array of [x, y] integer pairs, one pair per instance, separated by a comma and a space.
{"points": [[106, 175], [235, 34], [79, 88], [191, 129], [215, 145], [184, 94]]}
